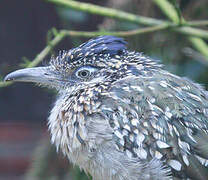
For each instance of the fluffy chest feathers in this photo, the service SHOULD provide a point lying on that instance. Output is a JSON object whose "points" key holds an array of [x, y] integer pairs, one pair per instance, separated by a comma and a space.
{"points": [[76, 126]]}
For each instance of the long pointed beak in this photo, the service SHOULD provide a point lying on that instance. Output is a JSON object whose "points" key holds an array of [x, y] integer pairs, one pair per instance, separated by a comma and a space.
{"points": [[38, 75]]}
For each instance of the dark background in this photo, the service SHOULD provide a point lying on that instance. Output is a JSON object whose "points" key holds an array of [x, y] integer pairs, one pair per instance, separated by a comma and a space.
{"points": [[24, 25]]}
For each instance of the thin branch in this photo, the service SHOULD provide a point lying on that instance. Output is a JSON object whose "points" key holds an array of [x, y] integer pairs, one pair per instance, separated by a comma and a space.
{"points": [[117, 33], [197, 23], [168, 9], [197, 42], [200, 45], [5, 84], [117, 14], [47, 49], [193, 32], [107, 12], [40, 56]]}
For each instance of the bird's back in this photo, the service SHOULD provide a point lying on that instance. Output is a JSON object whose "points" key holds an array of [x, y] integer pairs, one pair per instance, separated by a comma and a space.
{"points": [[161, 116]]}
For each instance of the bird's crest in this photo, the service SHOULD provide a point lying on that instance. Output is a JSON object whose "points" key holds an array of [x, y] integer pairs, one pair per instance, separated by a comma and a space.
{"points": [[92, 50], [103, 45]]}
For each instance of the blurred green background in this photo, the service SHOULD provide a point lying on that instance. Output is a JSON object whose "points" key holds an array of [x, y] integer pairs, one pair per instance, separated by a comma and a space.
{"points": [[25, 150]]}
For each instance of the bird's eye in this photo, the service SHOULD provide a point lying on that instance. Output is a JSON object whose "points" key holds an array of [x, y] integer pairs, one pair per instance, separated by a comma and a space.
{"points": [[83, 73]]}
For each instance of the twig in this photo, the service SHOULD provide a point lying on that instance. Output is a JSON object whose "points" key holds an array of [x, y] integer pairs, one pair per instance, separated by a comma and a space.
{"points": [[47, 49], [117, 33], [107, 12], [197, 23], [193, 32], [42, 54], [117, 14], [5, 84], [198, 43], [168, 9]]}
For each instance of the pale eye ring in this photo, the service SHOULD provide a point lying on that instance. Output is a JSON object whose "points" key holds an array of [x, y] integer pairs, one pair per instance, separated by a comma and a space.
{"points": [[83, 73]]}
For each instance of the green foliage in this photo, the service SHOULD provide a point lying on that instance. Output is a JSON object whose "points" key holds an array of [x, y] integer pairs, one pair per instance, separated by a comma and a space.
{"points": [[51, 34], [25, 62], [178, 10]]}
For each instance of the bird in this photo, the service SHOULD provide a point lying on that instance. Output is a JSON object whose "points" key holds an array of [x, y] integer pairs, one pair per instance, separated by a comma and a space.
{"points": [[119, 115]]}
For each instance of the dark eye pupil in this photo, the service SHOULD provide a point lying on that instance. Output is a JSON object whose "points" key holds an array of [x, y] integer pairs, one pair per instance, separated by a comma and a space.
{"points": [[83, 73]]}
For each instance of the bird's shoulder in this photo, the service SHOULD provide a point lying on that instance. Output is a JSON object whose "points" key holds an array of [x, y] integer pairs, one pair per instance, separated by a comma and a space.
{"points": [[162, 91], [162, 116]]}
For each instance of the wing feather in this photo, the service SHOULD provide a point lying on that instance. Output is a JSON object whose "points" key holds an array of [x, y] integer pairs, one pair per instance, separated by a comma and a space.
{"points": [[161, 116]]}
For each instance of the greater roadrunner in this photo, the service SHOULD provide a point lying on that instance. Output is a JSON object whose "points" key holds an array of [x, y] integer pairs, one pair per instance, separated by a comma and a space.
{"points": [[119, 115]]}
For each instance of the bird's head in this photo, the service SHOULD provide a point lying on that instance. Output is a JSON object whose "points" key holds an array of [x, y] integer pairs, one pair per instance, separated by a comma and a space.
{"points": [[102, 59], [92, 62]]}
